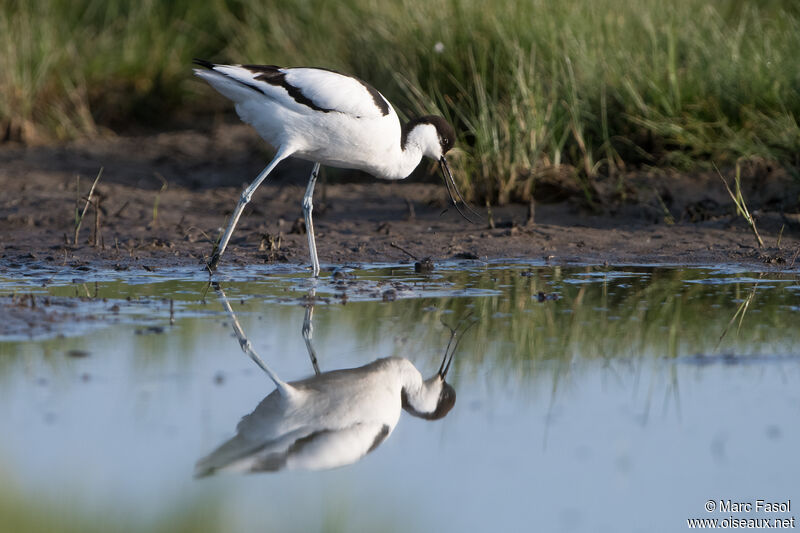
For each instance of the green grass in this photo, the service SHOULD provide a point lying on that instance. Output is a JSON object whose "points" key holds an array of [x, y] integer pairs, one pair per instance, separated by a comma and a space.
{"points": [[595, 87]]}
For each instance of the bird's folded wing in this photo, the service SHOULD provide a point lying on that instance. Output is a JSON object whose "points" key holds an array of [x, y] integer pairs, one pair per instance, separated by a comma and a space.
{"points": [[345, 94], [241, 452], [330, 449], [304, 449], [309, 88]]}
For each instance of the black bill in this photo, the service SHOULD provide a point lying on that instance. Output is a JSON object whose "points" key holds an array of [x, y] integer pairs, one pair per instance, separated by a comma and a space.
{"points": [[450, 183], [464, 325]]}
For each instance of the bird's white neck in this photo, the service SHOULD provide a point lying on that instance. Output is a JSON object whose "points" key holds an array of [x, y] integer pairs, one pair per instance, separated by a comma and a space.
{"points": [[420, 395], [401, 163], [421, 140], [407, 375]]}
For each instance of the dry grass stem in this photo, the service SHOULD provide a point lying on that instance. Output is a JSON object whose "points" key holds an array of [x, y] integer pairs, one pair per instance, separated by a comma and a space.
{"points": [[79, 218], [738, 199]]}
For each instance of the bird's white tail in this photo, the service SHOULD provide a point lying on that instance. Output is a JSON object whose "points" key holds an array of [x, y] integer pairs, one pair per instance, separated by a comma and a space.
{"points": [[227, 86]]}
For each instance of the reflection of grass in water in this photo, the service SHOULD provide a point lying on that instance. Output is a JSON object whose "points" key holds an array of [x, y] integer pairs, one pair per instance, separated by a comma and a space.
{"points": [[22, 514], [659, 313]]}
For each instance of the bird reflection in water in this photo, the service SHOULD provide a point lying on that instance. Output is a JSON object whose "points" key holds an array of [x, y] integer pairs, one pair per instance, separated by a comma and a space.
{"points": [[333, 418]]}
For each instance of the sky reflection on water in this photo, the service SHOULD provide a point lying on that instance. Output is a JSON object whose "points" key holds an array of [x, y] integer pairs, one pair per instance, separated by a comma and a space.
{"points": [[590, 412]]}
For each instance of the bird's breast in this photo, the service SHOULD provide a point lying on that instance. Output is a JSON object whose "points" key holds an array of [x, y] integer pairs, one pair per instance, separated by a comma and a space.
{"points": [[342, 141]]}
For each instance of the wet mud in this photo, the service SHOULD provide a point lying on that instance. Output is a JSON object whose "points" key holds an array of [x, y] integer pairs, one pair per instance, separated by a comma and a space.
{"points": [[162, 201]]}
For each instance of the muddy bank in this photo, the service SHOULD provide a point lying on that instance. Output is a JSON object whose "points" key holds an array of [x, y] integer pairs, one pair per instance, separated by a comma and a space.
{"points": [[163, 199]]}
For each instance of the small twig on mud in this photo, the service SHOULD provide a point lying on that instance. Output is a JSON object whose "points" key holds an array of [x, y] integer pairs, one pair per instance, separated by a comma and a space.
{"points": [[98, 237], [79, 218], [121, 209], [77, 199], [158, 196], [489, 216], [780, 235], [738, 199], [203, 233], [794, 258], [424, 266], [395, 245]]}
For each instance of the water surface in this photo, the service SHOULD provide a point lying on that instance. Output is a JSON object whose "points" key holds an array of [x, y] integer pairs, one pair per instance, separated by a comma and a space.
{"points": [[589, 399]]}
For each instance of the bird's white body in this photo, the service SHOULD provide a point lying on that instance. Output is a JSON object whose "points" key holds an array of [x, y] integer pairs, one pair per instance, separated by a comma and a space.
{"points": [[330, 119], [358, 128], [328, 420]]}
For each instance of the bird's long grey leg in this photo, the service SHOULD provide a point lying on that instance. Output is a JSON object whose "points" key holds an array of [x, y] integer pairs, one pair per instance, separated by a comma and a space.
{"points": [[247, 194], [308, 207], [308, 331]]}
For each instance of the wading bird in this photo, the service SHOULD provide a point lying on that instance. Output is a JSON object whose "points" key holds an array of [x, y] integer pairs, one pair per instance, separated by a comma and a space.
{"points": [[330, 119], [332, 418]]}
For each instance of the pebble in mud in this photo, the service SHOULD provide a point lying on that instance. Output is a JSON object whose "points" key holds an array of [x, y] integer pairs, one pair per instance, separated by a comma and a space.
{"points": [[424, 266]]}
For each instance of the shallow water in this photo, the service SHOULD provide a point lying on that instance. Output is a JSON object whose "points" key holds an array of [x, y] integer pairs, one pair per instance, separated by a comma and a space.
{"points": [[589, 399]]}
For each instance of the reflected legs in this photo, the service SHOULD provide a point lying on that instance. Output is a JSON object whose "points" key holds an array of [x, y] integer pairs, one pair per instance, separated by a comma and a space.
{"points": [[308, 331]]}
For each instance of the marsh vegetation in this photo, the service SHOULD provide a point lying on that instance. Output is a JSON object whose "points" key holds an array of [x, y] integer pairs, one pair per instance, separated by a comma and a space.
{"points": [[586, 88]]}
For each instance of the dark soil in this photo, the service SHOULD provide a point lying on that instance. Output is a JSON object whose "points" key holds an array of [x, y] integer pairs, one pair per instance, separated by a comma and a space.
{"points": [[642, 217]]}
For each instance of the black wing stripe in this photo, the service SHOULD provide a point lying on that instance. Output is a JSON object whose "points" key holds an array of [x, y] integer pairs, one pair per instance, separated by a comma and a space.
{"points": [[380, 437], [211, 66], [272, 75], [380, 102], [203, 63], [377, 97]]}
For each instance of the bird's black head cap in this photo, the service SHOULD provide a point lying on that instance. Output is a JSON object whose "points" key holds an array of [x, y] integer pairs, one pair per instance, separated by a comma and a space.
{"points": [[447, 399], [447, 135]]}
